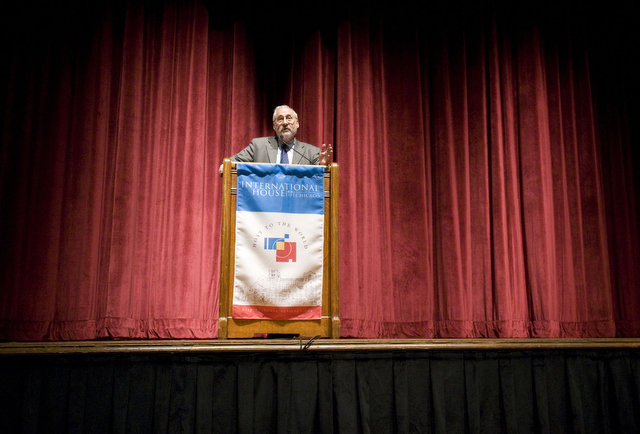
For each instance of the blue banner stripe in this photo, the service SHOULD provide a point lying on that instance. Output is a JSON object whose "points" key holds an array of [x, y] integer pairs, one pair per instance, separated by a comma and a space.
{"points": [[284, 188]]}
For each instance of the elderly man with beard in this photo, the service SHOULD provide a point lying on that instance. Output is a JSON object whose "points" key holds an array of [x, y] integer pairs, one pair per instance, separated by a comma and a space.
{"points": [[284, 148]]}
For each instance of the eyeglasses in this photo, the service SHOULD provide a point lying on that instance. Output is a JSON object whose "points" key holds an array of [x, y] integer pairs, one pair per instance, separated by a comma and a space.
{"points": [[282, 119]]}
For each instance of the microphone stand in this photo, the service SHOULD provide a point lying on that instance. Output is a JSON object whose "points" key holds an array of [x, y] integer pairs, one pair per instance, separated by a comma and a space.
{"points": [[295, 150]]}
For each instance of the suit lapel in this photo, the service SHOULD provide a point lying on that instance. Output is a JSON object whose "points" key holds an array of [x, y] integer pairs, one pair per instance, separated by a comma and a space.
{"points": [[298, 152], [273, 150]]}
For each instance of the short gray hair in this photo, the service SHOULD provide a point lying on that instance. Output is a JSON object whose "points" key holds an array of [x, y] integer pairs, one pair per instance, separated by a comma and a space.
{"points": [[281, 107]]}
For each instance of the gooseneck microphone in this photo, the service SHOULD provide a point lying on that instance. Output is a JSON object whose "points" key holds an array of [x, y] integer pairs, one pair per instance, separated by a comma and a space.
{"points": [[295, 150]]}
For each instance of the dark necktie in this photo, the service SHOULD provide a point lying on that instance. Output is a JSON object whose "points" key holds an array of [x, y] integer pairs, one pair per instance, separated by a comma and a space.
{"points": [[284, 157]]}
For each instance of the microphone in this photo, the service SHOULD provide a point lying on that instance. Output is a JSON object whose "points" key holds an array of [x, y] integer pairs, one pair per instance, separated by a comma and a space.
{"points": [[296, 151]]}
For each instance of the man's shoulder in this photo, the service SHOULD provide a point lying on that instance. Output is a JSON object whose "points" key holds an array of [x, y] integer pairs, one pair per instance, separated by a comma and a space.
{"points": [[305, 144], [264, 140]]}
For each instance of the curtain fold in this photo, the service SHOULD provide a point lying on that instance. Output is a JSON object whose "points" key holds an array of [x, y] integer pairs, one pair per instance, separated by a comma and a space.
{"points": [[489, 172]]}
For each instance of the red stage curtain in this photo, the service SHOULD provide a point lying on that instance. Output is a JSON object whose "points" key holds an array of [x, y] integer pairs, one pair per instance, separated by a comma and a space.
{"points": [[489, 184]]}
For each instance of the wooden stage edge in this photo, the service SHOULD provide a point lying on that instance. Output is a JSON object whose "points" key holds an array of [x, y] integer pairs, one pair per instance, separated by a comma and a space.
{"points": [[104, 347]]}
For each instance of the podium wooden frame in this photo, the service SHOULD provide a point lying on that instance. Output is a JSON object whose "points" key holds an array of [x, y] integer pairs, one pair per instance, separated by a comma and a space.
{"points": [[329, 324]]}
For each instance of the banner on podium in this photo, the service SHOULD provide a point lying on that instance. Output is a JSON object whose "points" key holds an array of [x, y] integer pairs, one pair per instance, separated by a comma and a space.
{"points": [[279, 242]]}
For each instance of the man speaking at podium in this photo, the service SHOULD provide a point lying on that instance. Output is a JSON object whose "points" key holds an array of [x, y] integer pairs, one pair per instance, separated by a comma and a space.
{"points": [[284, 148]]}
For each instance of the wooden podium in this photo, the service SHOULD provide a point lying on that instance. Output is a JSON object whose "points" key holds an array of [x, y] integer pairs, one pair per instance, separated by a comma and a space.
{"points": [[329, 324]]}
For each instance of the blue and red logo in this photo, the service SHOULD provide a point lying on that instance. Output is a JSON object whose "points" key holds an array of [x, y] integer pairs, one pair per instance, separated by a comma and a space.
{"points": [[285, 250]]}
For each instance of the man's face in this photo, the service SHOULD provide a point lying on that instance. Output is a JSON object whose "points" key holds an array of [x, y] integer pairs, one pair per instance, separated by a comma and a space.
{"points": [[286, 124]]}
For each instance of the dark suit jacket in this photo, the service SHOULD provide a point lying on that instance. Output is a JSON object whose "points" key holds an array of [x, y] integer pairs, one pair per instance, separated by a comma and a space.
{"points": [[265, 150]]}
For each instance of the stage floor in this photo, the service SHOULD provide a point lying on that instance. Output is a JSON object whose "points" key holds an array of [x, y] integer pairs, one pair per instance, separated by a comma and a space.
{"points": [[305, 344]]}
